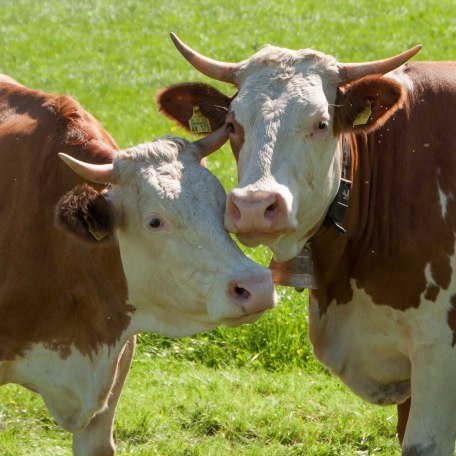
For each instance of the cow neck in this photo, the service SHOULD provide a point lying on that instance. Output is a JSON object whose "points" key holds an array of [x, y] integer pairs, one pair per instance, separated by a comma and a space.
{"points": [[330, 244], [399, 232]]}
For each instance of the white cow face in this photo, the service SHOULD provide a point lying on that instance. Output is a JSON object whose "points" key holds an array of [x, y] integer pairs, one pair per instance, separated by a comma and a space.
{"points": [[281, 126], [285, 123], [184, 273]]}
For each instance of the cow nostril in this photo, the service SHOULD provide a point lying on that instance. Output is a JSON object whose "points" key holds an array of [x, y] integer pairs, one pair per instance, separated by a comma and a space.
{"points": [[238, 292], [234, 211], [271, 207], [242, 292]]}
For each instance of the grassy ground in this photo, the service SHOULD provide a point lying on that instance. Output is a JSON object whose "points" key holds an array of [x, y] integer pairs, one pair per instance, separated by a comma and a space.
{"points": [[255, 390], [178, 408]]}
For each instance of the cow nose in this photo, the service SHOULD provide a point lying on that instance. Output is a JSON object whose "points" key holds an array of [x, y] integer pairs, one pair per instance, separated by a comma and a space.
{"points": [[256, 211], [254, 294]]}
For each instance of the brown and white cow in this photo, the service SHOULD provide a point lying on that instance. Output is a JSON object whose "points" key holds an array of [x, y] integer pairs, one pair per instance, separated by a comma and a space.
{"points": [[84, 269], [384, 316]]}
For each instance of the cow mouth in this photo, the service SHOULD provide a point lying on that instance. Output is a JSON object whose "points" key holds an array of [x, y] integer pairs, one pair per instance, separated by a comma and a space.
{"points": [[255, 239]]}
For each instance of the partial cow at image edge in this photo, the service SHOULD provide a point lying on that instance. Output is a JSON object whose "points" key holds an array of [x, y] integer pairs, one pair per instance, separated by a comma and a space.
{"points": [[87, 266], [382, 318]]}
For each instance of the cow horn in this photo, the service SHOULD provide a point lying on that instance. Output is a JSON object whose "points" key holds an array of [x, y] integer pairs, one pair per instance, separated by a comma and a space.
{"points": [[221, 71], [212, 142], [352, 71], [94, 173]]}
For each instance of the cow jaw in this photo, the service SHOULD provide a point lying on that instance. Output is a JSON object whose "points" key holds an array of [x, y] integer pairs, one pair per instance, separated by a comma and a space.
{"points": [[189, 290]]}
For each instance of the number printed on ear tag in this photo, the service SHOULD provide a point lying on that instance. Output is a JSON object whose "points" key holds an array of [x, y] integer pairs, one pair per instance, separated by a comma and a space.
{"points": [[198, 123]]}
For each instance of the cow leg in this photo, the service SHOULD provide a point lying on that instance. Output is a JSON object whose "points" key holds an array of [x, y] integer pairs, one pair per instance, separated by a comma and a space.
{"points": [[96, 438], [431, 426], [402, 417]]}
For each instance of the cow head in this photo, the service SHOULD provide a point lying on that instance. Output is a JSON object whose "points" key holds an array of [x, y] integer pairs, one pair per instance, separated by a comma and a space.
{"points": [[184, 273], [285, 124]]}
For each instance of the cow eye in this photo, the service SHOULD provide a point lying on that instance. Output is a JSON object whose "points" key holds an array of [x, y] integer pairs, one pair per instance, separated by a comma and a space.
{"points": [[322, 125], [155, 223]]}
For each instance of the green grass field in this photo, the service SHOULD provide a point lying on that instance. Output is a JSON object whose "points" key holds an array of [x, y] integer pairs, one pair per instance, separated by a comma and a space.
{"points": [[255, 390]]}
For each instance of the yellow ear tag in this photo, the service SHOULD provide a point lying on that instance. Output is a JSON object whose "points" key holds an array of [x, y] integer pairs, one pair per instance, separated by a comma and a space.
{"points": [[97, 234], [198, 123], [363, 116]]}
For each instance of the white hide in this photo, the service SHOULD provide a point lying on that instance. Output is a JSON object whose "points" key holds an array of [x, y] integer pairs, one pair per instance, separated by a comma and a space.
{"points": [[74, 389], [443, 200], [280, 104], [365, 345], [384, 355]]}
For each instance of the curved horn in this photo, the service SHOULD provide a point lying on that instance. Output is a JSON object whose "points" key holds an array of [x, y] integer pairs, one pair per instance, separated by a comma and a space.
{"points": [[94, 173], [221, 71], [212, 142], [352, 71]]}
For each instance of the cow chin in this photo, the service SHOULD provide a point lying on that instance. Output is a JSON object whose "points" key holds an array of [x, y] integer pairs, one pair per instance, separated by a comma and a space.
{"points": [[245, 319], [287, 248], [283, 247]]}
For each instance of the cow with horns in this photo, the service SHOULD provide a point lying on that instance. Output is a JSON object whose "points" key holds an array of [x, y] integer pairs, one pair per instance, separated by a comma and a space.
{"points": [[86, 267], [356, 162]]}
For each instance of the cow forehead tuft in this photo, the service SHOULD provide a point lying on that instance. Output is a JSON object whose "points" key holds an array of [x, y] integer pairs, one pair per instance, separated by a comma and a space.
{"points": [[165, 148], [284, 60]]}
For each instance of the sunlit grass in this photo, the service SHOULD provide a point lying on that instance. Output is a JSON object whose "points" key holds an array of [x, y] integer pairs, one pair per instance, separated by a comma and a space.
{"points": [[177, 407]]}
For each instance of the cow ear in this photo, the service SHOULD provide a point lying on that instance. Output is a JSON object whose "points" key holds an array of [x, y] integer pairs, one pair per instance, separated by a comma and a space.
{"points": [[197, 107], [366, 104], [86, 213]]}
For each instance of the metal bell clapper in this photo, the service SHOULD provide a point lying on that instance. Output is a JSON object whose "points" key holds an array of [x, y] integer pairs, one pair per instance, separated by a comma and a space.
{"points": [[297, 272]]}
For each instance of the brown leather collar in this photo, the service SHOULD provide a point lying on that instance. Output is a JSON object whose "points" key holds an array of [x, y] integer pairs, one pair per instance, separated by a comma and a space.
{"points": [[336, 211]]}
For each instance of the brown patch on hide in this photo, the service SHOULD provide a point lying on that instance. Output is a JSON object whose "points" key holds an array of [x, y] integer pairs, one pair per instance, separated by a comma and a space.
{"points": [[394, 220], [403, 411], [451, 319], [54, 289], [431, 293]]}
